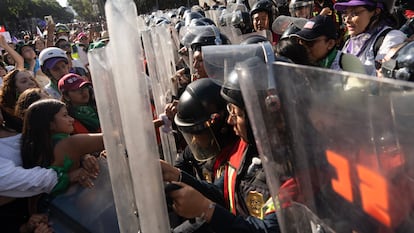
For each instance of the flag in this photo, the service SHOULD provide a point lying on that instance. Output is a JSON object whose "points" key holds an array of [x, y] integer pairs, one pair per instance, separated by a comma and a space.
{"points": [[38, 32], [2, 28]]}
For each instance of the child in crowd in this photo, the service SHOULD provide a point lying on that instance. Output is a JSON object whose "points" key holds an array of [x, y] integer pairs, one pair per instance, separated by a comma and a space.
{"points": [[55, 65], [46, 142], [78, 95], [28, 97]]}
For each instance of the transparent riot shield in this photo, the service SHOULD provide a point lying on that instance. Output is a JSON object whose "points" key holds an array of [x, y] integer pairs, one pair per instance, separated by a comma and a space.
{"points": [[160, 80], [108, 109], [220, 60], [86, 210], [234, 34], [127, 123], [347, 141], [213, 15]]}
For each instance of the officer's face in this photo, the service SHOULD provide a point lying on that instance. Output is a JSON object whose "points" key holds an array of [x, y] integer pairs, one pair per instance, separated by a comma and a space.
{"points": [[237, 119], [260, 21], [198, 65]]}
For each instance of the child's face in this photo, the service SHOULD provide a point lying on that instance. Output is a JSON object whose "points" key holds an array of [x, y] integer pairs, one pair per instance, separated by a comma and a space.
{"points": [[79, 96], [62, 122], [59, 70]]}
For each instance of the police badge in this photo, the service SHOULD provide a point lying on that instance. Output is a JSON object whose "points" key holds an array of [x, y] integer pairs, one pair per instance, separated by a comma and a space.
{"points": [[255, 202]]}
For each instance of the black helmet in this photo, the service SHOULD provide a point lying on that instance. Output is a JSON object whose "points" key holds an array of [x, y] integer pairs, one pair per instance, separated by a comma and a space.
{"points": [[254, 39], [210, 35], [181, 10], [201, 22], [267, 6], [200, 99], [291, 29], [401, 65], [295, 4], [243, 21], [251, 68], [190, 16], [201, 114]]}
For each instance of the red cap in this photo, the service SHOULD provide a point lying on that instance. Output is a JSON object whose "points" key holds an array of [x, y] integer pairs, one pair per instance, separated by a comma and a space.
{"points": [[71, 82]]}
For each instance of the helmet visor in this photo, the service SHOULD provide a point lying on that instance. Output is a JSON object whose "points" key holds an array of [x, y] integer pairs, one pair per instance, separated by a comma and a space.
{"points": [[202, 143]]}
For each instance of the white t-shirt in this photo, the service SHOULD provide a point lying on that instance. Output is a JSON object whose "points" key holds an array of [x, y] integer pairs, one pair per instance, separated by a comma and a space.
{"points": [[15, 181]]}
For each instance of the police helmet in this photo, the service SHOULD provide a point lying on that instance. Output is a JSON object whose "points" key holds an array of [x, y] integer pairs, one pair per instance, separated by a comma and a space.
{"points": [[401, 65], [291, 29], [243, 21], [295, 4], [200, 99], [201, 22], [190, 16], [209, 36], [201, 113], [254, 39], [181, 10], [266, 6]]}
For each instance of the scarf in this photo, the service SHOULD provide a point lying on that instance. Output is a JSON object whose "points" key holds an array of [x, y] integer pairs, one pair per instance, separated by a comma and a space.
{"points": [[88, 116]]}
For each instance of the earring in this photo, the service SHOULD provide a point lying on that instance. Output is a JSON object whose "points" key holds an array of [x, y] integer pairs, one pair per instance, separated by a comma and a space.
{"points": [[3, 124]]}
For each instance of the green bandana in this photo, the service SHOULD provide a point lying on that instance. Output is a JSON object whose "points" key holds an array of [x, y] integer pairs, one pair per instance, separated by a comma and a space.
{"points": [[88, 116], [63, 177], [327, 61]]}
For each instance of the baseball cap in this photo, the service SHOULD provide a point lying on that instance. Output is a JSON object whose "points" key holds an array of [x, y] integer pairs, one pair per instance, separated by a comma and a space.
{"points": [[51, 62], [341, 6], [71, 82], [81, 35], [320, 25]]}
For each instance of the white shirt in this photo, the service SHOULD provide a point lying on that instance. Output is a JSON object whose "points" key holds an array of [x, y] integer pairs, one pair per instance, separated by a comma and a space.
{"points": [[52, 92], [15, 181]]}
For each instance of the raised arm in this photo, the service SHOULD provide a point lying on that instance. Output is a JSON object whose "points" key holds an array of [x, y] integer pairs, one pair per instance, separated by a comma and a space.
{"points": [[16, 56]]}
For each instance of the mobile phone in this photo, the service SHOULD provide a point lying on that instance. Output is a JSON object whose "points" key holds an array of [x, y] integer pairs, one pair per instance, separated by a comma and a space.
{"points": [[49, 19]]}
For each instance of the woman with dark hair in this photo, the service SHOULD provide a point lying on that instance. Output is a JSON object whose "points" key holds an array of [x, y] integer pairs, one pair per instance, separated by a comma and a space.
{"points": [[14, 83], [28, 97], [370, 27], [46, 141], [77, 94], [291, 49]]}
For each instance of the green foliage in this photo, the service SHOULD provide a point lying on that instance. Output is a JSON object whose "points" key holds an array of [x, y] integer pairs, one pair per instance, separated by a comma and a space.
{"points": [[22, 15], [84, 9]]}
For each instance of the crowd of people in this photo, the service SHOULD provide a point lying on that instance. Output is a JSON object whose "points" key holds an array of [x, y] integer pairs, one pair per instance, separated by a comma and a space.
{"points": [[51, 134]]}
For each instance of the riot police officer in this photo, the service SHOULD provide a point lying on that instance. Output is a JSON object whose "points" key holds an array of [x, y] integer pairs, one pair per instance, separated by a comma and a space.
{"points": [[242, 190]]}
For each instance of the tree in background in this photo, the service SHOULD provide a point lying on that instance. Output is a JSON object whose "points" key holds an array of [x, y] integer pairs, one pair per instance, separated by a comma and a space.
{"points": [[23, 15]]}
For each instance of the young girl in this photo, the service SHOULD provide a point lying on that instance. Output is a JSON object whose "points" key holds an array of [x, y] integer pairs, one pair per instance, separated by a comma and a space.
{"points": [[46, 142], [77, 93]]}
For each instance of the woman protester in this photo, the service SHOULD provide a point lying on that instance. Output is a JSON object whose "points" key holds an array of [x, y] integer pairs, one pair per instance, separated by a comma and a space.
{"points": [[14, 83], [78, 95], [370, 27]]}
